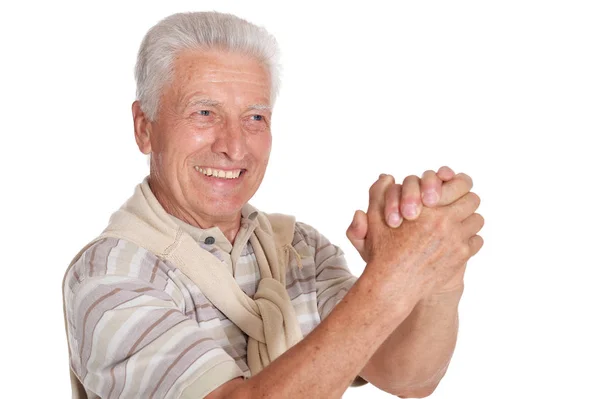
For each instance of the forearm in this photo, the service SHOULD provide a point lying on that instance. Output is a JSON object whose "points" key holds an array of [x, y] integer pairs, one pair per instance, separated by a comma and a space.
{"points": [[416, 355], [324, 363]]}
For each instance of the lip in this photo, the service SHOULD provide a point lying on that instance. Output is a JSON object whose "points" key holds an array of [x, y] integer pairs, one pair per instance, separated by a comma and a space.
{"points": [[221, 182], [220, 168]]}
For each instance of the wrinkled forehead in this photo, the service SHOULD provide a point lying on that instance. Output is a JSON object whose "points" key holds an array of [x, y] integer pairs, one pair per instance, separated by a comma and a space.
{"points": [[208, 70]]}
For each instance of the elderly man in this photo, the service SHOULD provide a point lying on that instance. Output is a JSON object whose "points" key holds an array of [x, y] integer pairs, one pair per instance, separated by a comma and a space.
{"points": [[190, 292]]}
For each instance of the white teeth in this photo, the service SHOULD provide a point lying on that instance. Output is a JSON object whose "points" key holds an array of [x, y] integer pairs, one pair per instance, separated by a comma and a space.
{"points": [[230, 174]]}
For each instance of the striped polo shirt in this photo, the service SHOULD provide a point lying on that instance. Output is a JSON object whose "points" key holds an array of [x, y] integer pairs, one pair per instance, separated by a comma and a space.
{"points": [[138, 327]]}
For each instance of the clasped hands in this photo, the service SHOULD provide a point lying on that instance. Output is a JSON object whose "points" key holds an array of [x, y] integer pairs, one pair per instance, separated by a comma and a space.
{"points": [[424, 229]]}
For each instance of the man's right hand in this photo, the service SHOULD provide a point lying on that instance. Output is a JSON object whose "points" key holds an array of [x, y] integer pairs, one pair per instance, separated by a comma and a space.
{"points": [[421, 255]]}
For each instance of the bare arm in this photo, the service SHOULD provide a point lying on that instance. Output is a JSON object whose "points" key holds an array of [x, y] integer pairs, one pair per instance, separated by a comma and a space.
{"points": [[324, 364], [416, 355], [396, 278]]}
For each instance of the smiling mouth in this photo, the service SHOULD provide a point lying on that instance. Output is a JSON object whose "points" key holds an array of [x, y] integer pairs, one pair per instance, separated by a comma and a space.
{"points": [[219, 173]]}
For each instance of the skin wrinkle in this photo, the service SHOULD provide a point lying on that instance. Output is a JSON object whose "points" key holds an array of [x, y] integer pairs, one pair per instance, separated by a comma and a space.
{"points": [[229, 138], [378, 322], [372, 322], [204, 101], [212, 103]]}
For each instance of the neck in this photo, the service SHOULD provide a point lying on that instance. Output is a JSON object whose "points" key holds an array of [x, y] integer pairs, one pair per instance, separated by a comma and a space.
{"points": [[229, 225]]}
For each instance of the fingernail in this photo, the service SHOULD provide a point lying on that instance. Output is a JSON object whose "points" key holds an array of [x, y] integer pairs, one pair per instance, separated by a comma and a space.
{"points": [[430, 197], [409, 210], [394, 219]]}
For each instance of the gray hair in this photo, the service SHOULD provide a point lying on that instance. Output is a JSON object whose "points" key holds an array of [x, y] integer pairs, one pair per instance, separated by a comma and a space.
{"points": [[198, 30]]}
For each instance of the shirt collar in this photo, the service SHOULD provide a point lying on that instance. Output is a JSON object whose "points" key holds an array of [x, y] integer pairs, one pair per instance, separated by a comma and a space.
{"points": [[248, 223]]}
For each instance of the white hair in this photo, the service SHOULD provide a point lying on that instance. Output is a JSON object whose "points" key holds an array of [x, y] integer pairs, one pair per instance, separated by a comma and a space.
{"points": [[198, 30]]}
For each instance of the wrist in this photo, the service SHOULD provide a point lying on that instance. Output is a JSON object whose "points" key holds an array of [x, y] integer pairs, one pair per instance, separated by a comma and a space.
{"points": [[395, 299], [450, 291], [447, 296]]}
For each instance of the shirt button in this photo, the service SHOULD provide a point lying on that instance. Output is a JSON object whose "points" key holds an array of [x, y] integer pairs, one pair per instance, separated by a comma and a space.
{"points": [[209, 240]]}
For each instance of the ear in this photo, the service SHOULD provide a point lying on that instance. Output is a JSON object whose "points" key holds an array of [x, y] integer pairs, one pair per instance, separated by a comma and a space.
{"points": [[142, 127]]}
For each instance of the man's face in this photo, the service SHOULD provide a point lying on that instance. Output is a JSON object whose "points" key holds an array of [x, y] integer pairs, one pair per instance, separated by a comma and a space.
{"points": [[211, 140]]}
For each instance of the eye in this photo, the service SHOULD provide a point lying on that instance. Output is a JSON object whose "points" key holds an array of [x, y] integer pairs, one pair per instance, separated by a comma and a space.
{"points": [[204, 112], [257, 117]]}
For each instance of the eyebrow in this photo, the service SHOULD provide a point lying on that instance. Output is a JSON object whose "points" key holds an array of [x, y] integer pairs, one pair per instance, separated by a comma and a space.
{"points": [[261, 107], [213, 103], [204, 101]]}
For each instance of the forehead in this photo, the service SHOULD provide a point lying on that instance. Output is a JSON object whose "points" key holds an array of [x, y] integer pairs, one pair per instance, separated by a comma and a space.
{"points": [[214, 72]]}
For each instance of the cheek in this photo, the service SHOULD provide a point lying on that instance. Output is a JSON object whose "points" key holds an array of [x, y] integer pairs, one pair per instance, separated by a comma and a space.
{"points": [[186, 140], [261, 147], [199, 139]]}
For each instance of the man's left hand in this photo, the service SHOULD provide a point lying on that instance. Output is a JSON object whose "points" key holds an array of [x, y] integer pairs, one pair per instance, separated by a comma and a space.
{"points": [[406, 200]]}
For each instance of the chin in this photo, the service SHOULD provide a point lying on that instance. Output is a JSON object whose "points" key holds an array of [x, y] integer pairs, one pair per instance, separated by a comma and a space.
{"points": [[222, 206]]}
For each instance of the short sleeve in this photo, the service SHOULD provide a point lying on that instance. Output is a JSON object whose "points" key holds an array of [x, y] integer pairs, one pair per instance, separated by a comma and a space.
{"points": [[129, 334], [333, 278]]}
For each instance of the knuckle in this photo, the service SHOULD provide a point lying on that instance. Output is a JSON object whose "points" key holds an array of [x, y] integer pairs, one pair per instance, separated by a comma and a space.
{"points": [[394, 198], [475, 198], [411, 198], [476, 241], [429, 174], [391, 202], [466, 178], [481, 219], [385, 177], [465, 251], [394, 191], [349, 234], [411, 179], [391, 205], [461, 250], [373, 188]]}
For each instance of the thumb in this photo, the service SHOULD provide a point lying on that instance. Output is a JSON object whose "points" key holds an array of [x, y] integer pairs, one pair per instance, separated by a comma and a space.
{"points": [[357, 232]]}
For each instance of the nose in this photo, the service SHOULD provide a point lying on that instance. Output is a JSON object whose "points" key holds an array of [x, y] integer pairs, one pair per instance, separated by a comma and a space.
{"points": [[230, 141]]}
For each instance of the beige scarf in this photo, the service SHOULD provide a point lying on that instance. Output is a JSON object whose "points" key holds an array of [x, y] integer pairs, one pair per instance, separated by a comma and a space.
{"points": [[268, 319]]}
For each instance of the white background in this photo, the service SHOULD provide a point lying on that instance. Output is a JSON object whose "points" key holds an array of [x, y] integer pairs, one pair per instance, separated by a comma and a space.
{"points": [[508, 92]]}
